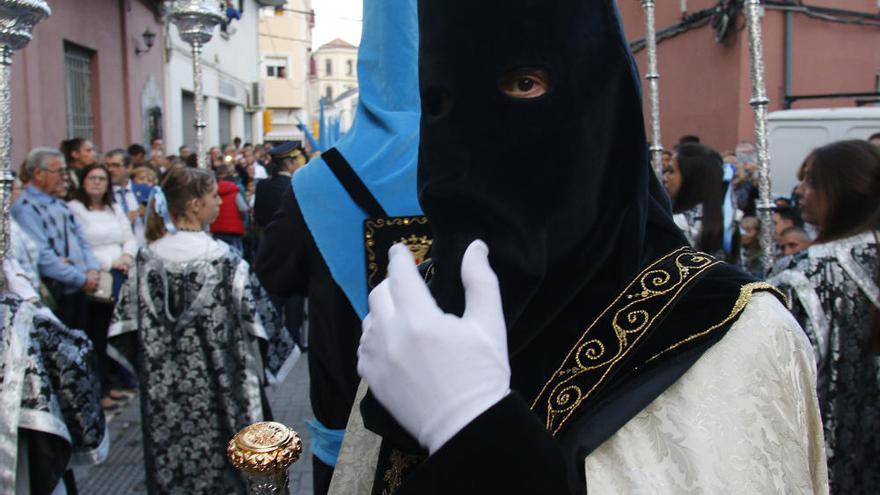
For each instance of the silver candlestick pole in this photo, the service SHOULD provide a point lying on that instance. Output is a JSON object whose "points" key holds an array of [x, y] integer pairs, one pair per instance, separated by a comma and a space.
{"points": [[17, 21], [195, 21], [759, 104], [653, 78]]}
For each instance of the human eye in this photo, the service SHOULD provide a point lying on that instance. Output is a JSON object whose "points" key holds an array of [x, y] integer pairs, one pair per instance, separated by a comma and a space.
{"points": [[525, 84]]}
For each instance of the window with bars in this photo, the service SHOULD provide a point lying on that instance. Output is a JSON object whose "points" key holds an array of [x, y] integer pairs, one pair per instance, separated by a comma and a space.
{"points": [[78, 89]]}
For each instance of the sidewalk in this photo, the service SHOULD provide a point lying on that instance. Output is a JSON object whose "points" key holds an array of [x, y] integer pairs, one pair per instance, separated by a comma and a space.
{"points": [[123, 471]]}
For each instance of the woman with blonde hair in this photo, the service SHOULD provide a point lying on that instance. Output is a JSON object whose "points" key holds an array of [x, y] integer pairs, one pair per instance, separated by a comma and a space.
{"points": [[190, 322]]}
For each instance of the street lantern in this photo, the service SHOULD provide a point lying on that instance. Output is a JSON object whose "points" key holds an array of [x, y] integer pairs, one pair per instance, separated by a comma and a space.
{"points": [[759, 102], [195, 21], [17, 21], [653, 78]]}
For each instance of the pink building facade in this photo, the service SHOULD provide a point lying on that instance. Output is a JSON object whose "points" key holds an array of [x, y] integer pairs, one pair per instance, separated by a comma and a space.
{"points": [[88, 73], [705, 85]]}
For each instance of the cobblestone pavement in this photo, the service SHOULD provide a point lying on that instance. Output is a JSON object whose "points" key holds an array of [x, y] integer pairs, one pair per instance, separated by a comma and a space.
{"points": [[123, 471]]}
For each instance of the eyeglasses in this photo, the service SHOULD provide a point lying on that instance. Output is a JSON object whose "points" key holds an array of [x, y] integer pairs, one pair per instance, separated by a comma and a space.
{"points": [[58, 171], [96, 178]]}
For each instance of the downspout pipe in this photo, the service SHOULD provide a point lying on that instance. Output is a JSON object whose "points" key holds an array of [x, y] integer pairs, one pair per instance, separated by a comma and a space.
{"points": [[788, 60]]}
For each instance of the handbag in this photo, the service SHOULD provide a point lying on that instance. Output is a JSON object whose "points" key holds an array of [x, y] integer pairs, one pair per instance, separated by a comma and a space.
{"points": [[109, 284]]}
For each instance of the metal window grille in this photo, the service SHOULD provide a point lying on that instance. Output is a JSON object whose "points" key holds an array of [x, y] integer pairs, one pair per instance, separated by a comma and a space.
{"points": [[78, 87]]}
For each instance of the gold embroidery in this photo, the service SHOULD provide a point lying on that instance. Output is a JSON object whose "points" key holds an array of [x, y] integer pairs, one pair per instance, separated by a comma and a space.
{"points": [[637, 312], [418, 245], [400, 462], [745, 295]]}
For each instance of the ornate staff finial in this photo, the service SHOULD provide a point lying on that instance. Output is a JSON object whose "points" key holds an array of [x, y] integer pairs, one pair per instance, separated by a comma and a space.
{"points": [[264, 452], [195, 21], [17, 21]]}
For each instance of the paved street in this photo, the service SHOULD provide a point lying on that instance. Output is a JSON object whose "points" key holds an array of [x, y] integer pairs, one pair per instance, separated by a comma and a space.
{"points": [[123, 471]]}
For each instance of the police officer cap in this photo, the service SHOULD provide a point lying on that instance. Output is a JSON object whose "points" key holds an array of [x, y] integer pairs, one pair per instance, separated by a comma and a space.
{"points": [[285, 150]]}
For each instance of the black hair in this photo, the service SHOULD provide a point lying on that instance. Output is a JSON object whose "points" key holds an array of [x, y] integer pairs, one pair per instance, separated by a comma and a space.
{"points": [[789, 213], [68, 146], [136, 149], [80, 193], [702, 182]]}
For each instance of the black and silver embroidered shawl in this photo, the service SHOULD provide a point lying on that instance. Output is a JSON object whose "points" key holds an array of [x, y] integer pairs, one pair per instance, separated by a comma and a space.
{"points": [[835, 296], [192, 331], [50, 392]]}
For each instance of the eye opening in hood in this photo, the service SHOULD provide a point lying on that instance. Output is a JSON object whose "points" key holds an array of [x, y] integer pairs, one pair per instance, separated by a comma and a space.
{"points": [[526, 83], [436, 101]]}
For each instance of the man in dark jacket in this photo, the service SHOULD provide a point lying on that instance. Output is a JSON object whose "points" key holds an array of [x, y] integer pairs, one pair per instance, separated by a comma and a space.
{"points": [[286, 158]]}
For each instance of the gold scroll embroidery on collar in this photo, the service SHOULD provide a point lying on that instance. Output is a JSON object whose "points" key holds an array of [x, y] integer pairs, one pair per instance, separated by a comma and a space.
{"points": [[630, 316]]}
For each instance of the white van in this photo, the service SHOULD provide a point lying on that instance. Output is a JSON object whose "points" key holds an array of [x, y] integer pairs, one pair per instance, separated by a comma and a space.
{"points": [[794, 133]]}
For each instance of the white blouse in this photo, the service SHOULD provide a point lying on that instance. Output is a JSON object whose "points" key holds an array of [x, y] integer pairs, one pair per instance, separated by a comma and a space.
{"points": [[187, 246], [107, 230]]}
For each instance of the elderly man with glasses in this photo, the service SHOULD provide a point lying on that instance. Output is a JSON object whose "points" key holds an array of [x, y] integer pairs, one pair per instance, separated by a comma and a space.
{"points": [[66, 263]]}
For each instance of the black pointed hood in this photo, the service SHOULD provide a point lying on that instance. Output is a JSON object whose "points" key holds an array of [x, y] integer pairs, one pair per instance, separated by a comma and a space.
{"points": [[558, 186]]}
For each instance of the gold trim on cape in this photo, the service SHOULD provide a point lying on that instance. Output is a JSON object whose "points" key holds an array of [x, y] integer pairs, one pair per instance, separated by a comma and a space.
{"points": [[745, 295], [630, 316]]}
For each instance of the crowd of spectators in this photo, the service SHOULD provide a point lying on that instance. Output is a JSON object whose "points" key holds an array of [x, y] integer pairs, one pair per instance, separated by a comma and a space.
{"points": [[717, 211], [79, 216], [826, 251]]}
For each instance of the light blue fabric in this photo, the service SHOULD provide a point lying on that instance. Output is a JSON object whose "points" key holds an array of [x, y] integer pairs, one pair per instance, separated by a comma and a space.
{"points": [[311, 139], [381, 146], [160, 205], [322, 127], [728, 208], [325, 442]]}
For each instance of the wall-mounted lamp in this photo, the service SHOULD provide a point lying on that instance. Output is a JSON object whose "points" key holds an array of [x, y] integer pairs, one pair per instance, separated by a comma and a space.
{"points": [[149, 38]]}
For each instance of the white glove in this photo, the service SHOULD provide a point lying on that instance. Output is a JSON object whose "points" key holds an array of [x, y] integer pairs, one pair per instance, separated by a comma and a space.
{"points": [[433, 371]]}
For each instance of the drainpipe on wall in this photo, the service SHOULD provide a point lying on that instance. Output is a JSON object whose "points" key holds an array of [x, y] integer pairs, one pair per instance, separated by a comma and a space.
{"points": [[788, 58], [126, 72]]}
